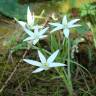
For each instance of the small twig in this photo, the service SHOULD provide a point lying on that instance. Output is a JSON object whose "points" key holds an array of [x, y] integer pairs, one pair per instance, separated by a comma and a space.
{"points": [[77, 72], [13, 72], [10, 58], [21, 91], [20, 84], [47, 21]]}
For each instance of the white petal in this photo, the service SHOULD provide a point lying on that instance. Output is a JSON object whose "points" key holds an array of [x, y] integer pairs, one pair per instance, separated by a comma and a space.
{"points": [[36, 30], [36, 26], [30, 19], [64, 21], [27, 39], [35, 41], [56, 64], [72, 22], [57, 28], [38, 70], [23, 24], [75, 25], [43, 36], [32, 62], [33, 19], [52, 57], [30, 33], [55, 24], [43, 31], [66, 32], [42, 57]]}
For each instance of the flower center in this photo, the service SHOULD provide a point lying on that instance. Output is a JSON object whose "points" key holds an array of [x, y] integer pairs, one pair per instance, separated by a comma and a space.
{"points": [[36, 36], [65, 26], [45, 64]]}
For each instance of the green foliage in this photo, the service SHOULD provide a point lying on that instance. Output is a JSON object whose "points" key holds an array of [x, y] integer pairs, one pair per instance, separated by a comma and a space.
{"points": [[12, 9], [88, 9], [83, 29], [54, 43], [39, 84], [73, 3]]}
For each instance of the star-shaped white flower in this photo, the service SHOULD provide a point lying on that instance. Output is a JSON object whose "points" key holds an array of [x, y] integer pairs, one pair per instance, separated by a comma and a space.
{"points": [[45, 64], [65, 25], [36, 35], [30, 20]]}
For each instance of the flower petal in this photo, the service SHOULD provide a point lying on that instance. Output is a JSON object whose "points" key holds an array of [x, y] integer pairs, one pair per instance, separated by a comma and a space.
{"points": [[72, 22], [52, 57], [55, 24], [39, 26], [75, 25], [55, 64], [30, 18], [35, 41], [38, 70], [42, 57], [23, 24], [43, 31], [33, 62], [36, 30], [42, 37], [64, 21], [66, 32], [28, 38], [30, 33], [57, 28]]}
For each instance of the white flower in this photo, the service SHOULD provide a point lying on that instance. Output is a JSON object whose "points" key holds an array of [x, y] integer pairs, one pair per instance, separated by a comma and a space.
{"points": [[65, 25], [34, 37], [30, 20], [45, 64], [30, 24]]}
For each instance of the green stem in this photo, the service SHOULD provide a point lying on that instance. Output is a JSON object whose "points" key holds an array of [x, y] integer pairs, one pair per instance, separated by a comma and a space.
{"points": [[94, 35], [69, 70], [69, 73]]}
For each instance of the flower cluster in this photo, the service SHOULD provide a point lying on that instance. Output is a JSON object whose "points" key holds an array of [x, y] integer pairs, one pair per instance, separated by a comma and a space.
{"points": [[37, 33]]}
